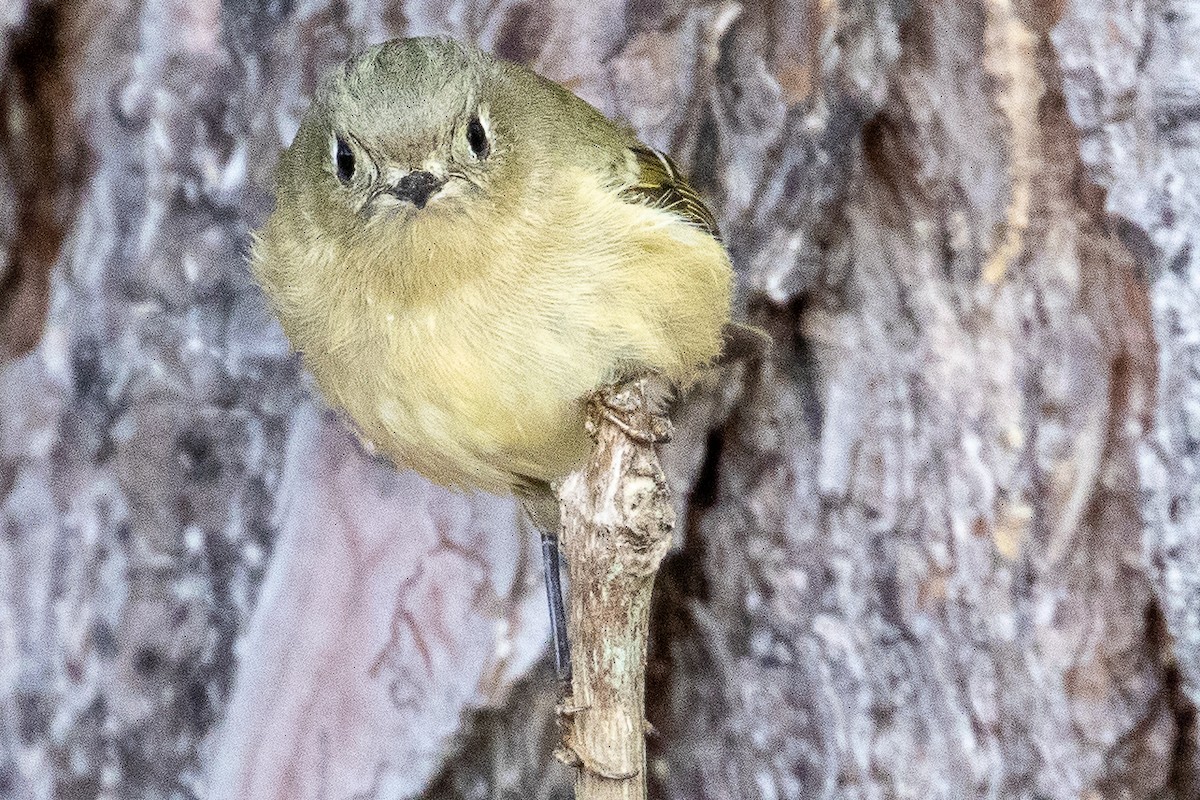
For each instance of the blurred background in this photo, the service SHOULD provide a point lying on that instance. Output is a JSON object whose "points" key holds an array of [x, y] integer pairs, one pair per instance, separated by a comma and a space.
{"points": [[944, 543]]}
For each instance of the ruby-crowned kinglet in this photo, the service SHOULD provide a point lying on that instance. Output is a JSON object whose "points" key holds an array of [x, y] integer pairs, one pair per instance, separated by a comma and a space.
{"points": [[464, 251]]}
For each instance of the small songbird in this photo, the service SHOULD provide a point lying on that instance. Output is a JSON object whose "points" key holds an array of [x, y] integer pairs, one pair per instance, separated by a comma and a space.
{"points": [[464, 251]]}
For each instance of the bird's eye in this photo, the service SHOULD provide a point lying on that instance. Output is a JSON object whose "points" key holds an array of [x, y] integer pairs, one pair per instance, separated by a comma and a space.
{"points": [[343, 159], [477, 138]]}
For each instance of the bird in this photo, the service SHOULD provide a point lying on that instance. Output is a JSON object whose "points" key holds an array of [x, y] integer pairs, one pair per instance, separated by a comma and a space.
{"points": [[464, 251]]}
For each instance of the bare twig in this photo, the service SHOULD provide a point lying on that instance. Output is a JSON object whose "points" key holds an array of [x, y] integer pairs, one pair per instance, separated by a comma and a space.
{"points": [[617, 522]]}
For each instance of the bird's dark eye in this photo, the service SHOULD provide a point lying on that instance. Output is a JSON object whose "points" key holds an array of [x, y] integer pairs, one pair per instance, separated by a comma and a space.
{"points": [[477, 138], [343, 159]]}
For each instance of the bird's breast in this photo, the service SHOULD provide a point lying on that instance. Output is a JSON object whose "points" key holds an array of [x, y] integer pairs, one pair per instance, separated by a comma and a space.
{"points": [[470, 371], [465, 348]]}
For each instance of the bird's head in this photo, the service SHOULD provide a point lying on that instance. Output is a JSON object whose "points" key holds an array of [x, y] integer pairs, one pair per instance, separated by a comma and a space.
{"points": [[399, 131]]}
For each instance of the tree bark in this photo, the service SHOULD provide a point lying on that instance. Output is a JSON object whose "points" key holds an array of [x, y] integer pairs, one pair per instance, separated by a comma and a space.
{"points": [[617, 521], [941, 544]]}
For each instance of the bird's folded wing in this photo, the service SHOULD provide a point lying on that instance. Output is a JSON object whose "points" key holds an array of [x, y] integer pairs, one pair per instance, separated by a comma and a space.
{"points": [[658, 181]]}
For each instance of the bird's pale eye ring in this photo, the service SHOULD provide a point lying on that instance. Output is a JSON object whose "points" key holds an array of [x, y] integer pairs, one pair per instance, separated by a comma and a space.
{"points": [[477, 138], [343, 160]]}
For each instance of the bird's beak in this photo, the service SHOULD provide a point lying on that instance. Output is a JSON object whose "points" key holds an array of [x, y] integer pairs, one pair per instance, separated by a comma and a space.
{"points": [[417, 187]]}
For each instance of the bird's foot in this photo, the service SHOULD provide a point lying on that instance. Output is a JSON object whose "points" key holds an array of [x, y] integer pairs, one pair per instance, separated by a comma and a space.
{"points": [[627, 406], [558, 613]]}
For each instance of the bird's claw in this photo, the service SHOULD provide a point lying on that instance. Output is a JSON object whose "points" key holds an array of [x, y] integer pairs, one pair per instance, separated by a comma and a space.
{"points": [[626, 406]]}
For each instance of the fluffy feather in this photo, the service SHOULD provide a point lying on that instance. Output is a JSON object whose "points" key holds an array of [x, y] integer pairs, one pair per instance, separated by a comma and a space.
{"points": [[462, 337]]}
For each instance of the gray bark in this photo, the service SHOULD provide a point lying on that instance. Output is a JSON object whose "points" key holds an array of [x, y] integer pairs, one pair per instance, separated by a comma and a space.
{"points": [[942, 543]]}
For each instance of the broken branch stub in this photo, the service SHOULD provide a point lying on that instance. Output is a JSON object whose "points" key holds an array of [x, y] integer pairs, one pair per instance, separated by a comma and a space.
{"points": [[617, 520]]}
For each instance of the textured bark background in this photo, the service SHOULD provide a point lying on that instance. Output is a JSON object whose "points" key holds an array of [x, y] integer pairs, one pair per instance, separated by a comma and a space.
{"points": [[944, 543]]}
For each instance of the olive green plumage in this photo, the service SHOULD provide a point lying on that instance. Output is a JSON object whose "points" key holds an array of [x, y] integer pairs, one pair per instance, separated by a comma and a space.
{"points": [[464, 250]]}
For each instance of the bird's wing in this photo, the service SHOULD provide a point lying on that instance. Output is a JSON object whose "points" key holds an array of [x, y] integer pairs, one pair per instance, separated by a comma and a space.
{"points": [[658, 182]]}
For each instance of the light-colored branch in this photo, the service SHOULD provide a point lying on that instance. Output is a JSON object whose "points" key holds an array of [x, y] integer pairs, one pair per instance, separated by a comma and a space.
{"points": [[617, 521]]}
